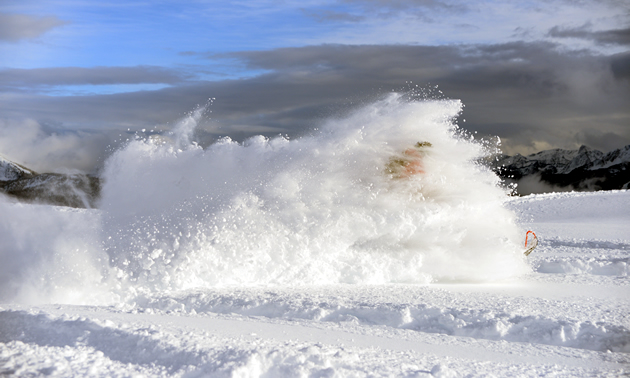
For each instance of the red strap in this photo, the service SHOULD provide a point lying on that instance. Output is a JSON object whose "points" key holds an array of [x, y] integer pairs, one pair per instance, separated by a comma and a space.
{"points": [[527, 235]]}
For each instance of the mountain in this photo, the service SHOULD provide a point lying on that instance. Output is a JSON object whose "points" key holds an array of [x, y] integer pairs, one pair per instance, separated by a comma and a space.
{"points": [[10, 171], [585, 169], [26, 185]]}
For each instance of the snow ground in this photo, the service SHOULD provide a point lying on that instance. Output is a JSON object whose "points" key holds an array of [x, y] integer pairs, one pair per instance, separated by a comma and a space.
{"points": [[569, 317]]}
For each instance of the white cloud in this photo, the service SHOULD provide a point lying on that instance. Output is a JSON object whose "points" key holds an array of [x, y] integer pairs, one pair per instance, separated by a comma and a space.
{"points": [[481, 22]]}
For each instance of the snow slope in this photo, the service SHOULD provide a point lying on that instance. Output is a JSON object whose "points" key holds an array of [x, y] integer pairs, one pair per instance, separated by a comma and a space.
{"points": [[569, 317]]}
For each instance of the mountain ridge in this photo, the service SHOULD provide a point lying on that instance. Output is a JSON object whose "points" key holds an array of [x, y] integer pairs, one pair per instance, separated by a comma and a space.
{"points": [[584, 169], [10, 170], [72, 190]]}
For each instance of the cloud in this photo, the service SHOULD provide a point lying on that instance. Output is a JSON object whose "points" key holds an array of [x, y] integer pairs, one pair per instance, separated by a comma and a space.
{"points": [[529, 94], [364, 10], [326, 15], [17, 27], [45, 149], [620, 64], [11, 78], [405, 5], [610, 37], [444, 22]]}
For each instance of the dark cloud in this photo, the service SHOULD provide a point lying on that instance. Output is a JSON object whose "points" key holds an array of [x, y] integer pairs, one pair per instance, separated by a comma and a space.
{"points": [[532, 95], [620, 65], [45, 77], [16, 27], [608, 37]]}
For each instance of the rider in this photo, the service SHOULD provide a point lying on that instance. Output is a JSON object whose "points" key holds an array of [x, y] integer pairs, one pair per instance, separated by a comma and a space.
{"points": [[409, 163]]}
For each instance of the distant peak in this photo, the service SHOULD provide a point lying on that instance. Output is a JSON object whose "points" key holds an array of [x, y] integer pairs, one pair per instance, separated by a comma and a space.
{"points": [[10, 170], [584, 148]]}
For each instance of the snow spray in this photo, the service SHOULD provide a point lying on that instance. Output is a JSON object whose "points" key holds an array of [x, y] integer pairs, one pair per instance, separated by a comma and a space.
{"points": [[320, 209]]}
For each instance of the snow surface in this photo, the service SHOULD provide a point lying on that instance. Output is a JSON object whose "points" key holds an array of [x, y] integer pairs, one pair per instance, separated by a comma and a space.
{"points": [[297, 258]]}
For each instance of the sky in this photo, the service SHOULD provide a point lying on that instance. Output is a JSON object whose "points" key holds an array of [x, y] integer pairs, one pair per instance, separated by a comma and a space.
{"points": [[77, 77]]}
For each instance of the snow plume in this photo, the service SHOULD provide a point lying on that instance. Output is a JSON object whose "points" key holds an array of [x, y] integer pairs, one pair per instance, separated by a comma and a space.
{"points": [[51, 254], [533, 184], [28, 143], [184, 130], [316, 210], [321, 209]]}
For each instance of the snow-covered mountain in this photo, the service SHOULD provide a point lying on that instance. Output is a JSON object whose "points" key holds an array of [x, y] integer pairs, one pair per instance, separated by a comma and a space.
{"points": [[582, 169], [10, 171], [26, 185]]}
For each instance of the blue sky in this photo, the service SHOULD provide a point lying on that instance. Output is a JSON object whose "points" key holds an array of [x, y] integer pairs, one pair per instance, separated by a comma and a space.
{"points": [[539, 74]]}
